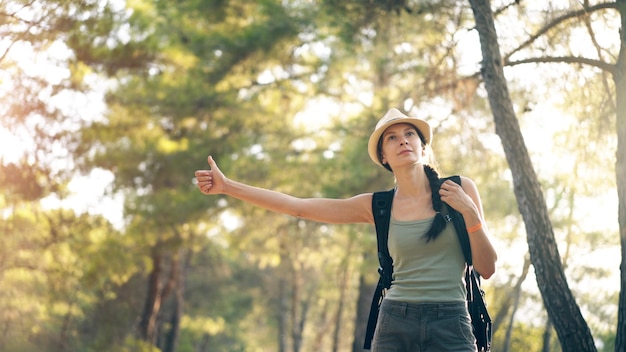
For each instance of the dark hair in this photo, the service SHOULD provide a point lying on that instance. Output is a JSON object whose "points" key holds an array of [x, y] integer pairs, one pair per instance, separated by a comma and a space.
{"points": [[439, 223]]}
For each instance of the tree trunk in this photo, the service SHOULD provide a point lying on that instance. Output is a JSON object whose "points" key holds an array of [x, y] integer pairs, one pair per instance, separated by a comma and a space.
{"points": [[619, 77], [152, 303], [366, 290], [323, 326], [547, 336], [517, 294], [63, 340], [171, 341], [343, 292], [282, 315], [155, 296], [571, 328], [337, 332], [302, 319], [204, 344], [300, 305]]}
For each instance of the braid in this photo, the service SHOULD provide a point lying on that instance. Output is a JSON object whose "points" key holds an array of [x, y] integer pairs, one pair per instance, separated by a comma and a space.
{"points": [[439, 223]]}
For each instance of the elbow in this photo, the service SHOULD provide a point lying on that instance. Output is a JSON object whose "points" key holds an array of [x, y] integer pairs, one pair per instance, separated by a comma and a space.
{"points": [[486, 269], [486, 274]]}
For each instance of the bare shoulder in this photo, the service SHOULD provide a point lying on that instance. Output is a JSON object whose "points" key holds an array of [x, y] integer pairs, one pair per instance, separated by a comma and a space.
{"points": [[466, 181], [469, 186]]}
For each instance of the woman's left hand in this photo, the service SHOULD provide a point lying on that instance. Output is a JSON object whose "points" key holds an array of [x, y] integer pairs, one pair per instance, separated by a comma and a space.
{"points": [[454, 195], [466, 201]]}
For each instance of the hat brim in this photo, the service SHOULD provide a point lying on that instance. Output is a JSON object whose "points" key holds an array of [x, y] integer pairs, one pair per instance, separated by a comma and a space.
{"points": [[421, 125]]}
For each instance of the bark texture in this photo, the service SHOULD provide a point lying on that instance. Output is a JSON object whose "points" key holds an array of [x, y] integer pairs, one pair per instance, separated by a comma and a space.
{"points": [[619, 76], [571, 328]]}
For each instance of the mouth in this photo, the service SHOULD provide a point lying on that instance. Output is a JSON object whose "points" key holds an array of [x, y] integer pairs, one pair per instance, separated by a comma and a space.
{"points": [[405, 151]]}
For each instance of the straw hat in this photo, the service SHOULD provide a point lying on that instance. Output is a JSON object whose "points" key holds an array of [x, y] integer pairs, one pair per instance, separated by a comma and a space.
{"points": [[392, 117]]}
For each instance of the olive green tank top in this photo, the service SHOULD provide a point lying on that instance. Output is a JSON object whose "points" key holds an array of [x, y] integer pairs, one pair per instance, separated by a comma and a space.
{"points": [[425, 272]]}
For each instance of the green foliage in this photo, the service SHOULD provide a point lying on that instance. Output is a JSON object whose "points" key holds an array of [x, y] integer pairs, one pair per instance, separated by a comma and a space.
{"points": [[46, 289], [14, 177], [233, 79]]}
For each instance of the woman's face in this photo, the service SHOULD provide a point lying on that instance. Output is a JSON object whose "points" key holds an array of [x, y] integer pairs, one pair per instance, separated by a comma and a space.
{"points": [[401, 145]]}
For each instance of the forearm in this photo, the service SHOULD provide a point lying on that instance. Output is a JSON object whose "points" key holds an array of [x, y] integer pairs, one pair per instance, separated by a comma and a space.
{"points": [[268, 199], [484, 256]]}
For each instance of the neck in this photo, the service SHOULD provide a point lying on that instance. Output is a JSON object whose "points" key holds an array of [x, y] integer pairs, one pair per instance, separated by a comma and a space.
{"points": [[412, 181]]}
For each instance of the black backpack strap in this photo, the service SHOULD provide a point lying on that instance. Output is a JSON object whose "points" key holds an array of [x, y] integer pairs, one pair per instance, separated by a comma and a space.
{"points": [[481, 321], [459, 225], [381, 210]]}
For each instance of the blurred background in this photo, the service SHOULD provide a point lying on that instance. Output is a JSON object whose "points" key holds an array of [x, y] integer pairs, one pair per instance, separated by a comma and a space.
{"points": [[108, 107]]}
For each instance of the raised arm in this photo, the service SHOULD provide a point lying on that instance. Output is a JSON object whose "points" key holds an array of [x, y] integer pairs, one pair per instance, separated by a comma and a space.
{"points": [[333, 211], [466, 200]]}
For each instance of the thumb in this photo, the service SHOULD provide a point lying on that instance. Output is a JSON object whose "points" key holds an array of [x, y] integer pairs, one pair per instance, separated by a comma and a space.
{"points": [[212, 163]]}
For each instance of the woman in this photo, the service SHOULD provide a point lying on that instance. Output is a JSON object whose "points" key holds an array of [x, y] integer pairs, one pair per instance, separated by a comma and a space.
{"points": [[424, 310]]}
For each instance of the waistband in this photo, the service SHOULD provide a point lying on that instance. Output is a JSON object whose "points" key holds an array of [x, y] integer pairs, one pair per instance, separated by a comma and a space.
{"points": [[432, 309]]}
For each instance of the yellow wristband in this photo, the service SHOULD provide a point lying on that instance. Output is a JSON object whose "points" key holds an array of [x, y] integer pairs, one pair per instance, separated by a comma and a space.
{"points": [[475, 227]]}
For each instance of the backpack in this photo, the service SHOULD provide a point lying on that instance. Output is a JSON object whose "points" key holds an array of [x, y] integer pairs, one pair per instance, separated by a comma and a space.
{"points": [[481, 321]]}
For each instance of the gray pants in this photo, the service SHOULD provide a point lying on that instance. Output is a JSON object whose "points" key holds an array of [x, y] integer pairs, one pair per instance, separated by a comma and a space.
{"points": [[428, 327]]}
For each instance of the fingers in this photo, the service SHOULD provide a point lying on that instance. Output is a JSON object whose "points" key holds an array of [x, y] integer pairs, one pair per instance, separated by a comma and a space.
{"points": [[203, 175], [449, 192], [448, 186], [205, 178], [206, 188], [205, 184]]}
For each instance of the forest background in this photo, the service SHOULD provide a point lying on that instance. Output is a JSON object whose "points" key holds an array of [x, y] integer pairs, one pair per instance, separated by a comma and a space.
{"points": [[108, 107]]}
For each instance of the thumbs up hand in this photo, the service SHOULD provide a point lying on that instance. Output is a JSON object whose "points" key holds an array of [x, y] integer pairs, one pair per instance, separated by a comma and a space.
{"points": [[210, 181]]}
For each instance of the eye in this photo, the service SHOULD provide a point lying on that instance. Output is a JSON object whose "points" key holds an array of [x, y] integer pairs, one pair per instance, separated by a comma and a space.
{"points": [[410, 133]]}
